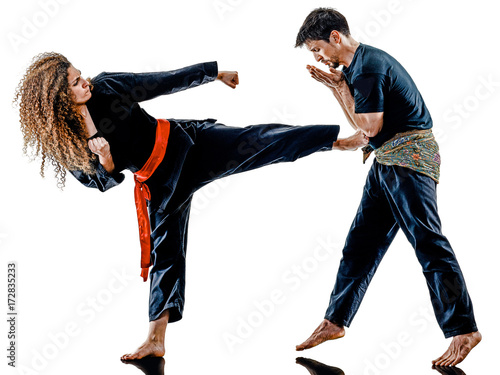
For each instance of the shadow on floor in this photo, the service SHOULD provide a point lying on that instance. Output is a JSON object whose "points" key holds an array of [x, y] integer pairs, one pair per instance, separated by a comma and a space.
{"points": [[156, 366], [448, 370], [318, 368], [149, 365]]}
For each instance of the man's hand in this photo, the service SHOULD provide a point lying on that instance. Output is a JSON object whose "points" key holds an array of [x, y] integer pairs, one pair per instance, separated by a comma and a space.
{"points": [[100, 147], [352, 143], [229, 78], [331, 80]]}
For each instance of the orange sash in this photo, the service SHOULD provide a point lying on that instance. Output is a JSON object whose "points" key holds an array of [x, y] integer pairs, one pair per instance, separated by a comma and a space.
{"points": [[141, 193]]}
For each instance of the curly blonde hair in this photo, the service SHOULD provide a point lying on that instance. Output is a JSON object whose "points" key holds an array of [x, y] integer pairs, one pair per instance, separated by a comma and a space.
{"points": [[51, 124]]}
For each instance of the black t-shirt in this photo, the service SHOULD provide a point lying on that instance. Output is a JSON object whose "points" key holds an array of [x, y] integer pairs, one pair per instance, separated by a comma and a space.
{"points": [[379, 83]]}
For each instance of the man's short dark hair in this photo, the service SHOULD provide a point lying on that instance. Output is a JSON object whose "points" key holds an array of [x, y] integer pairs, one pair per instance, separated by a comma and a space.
{"points": [[319, 24]]}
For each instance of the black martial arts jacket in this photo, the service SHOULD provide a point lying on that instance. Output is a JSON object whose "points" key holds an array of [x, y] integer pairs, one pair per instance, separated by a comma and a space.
{"points": [[130, 130]]}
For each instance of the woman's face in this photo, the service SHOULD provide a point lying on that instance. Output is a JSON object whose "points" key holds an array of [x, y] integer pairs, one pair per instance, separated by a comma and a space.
{"points": [[79, 86]]}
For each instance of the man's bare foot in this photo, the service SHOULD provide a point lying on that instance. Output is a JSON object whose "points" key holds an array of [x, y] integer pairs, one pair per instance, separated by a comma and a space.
{"points": [[326, 331], [150, 348], [459, 348]]}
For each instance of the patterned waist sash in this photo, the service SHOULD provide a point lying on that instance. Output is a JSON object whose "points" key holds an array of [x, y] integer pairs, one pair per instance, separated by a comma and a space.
{"points": [[416, 149], [141, 193]]}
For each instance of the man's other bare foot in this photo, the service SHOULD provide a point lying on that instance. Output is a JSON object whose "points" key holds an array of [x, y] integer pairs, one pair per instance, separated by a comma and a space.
{"points": [[326, 331], [459, 348], [150, 348]]}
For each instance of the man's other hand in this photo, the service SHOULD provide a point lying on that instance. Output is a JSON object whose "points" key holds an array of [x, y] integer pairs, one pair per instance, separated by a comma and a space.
{"points": [[352, 143]]}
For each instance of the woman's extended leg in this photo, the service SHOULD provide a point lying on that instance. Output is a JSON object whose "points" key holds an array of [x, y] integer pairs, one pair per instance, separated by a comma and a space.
{"points": [[222, 150]]}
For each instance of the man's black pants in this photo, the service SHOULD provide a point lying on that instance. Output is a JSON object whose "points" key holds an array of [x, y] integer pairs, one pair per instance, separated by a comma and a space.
{"points": [[395, 197]]}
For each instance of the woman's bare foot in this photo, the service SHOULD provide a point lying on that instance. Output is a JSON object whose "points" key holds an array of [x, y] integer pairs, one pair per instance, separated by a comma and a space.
{"points": [[154, 346], [459, 348], [326, 331]]}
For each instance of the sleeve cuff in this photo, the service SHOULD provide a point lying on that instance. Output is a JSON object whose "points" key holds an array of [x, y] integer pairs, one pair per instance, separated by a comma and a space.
{"points": [[369, 110], [212, 70], [113, 178]]}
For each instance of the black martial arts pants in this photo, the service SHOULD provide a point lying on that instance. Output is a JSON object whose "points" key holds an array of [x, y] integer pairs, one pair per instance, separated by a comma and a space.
{"points": [[395, 197], [218, 151]]}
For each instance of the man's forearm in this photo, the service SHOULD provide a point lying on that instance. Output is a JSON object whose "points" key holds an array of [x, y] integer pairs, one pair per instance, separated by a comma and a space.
{"points": [[369, 123], [343, 106], [346, 101], [370, 126]]}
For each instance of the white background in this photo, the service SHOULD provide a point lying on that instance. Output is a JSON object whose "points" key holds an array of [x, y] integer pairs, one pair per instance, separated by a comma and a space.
{"points": [[249, 233]]}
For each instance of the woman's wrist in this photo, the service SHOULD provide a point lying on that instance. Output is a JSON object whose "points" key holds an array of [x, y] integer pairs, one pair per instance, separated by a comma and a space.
{"points": [[107, 163]]}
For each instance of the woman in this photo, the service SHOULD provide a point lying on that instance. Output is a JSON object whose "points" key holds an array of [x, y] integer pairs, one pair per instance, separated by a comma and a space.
{"points": [[96, 129]]}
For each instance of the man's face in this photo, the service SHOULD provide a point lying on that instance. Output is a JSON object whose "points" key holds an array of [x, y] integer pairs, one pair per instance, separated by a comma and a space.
{"points": [[324, 52]]}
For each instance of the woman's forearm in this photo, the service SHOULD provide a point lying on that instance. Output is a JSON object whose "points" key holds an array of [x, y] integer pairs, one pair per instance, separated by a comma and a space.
{"points": [[100, 147], [107, 163]]}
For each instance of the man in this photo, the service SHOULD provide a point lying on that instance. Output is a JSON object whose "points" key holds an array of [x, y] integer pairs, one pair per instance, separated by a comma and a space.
{"points": [[382, 103]]}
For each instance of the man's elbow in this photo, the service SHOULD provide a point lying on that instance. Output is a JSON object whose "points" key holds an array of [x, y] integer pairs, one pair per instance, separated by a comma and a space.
{"points": [[371, 123], [372, 131]]}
